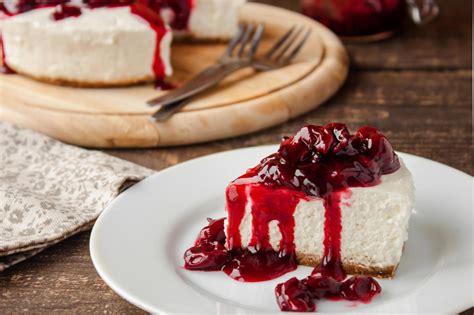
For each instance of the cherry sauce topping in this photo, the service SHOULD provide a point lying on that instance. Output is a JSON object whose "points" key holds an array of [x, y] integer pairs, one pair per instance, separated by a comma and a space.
{"points": [[180, 9], [317, 162], [210, 254], [321, 160], [63, 11], [293, 295], [297, 295], [360, 288]]}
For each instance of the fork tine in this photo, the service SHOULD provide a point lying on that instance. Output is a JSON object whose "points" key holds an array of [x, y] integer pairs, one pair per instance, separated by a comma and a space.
{"points": [[280, 42], [235, 40], [257, 37], [298, 47], [245, 39], [281, 52]]}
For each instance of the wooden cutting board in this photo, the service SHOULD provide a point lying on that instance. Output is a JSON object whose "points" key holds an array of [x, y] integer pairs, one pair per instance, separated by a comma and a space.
{"points": [[243, 103]]}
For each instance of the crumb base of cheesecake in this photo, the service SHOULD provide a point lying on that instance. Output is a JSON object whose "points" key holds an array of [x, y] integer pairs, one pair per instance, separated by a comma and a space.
{"points": [[352, 268], [85, 84]]}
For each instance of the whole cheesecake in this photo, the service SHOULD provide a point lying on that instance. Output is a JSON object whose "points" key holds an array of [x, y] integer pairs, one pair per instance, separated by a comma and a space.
{"points": [[106, 43]]}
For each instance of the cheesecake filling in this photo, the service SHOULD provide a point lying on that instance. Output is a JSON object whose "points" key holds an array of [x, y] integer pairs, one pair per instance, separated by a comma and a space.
{"points": [[322, 162]]}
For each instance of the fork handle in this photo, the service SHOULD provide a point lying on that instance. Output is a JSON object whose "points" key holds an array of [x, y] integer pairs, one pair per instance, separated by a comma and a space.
{"points": [[165, 112], [203, 81]]}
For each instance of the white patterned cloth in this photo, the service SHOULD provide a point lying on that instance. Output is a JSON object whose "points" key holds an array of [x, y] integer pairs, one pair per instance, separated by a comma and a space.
{"points": [[50, 190]]}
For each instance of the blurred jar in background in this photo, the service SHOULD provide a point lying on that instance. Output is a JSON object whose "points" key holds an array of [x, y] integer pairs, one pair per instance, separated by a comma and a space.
{"points": [[368, 20]]}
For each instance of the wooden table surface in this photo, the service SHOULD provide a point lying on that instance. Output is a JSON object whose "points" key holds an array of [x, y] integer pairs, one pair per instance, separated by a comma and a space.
{"points": [[415, 87]]}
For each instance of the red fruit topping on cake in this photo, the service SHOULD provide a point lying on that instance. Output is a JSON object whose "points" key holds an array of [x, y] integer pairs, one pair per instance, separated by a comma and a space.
{"points": [[63, 11]]}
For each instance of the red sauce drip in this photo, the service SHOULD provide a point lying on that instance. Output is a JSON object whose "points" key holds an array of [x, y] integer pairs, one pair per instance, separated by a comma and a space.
{"points": [[317, 162], [163, 85], [275, 205], [236, 201], [331, 265], [259, 261], [156, 23], [5, 69], [213, 232], [210, 254]]}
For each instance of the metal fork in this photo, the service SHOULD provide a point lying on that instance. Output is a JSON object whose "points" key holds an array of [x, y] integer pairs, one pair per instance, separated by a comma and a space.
{"points": [[279, 55], [234, 58]]}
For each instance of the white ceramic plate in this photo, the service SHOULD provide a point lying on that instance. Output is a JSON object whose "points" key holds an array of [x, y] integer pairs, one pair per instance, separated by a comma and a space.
{"points": [[138, 242]]}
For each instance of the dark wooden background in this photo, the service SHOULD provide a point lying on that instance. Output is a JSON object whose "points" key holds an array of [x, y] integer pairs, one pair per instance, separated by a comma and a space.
{"points": [[415, 87]]}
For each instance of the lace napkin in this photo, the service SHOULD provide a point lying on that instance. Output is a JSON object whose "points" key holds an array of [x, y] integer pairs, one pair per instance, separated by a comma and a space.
{"points": [[50, 190]]}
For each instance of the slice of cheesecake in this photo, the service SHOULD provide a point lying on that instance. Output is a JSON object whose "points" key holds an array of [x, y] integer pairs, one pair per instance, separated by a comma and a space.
{"points": [[333, 199], [337, 201], [101, 43]]}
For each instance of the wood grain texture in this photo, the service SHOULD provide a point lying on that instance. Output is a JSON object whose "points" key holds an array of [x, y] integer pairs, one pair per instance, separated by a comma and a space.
{"points": [[243, 103], [422, 104]]}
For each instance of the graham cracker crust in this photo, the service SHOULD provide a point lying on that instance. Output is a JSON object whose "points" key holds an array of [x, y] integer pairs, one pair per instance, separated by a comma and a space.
{"points": [[353, 269], [86, 84]]}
